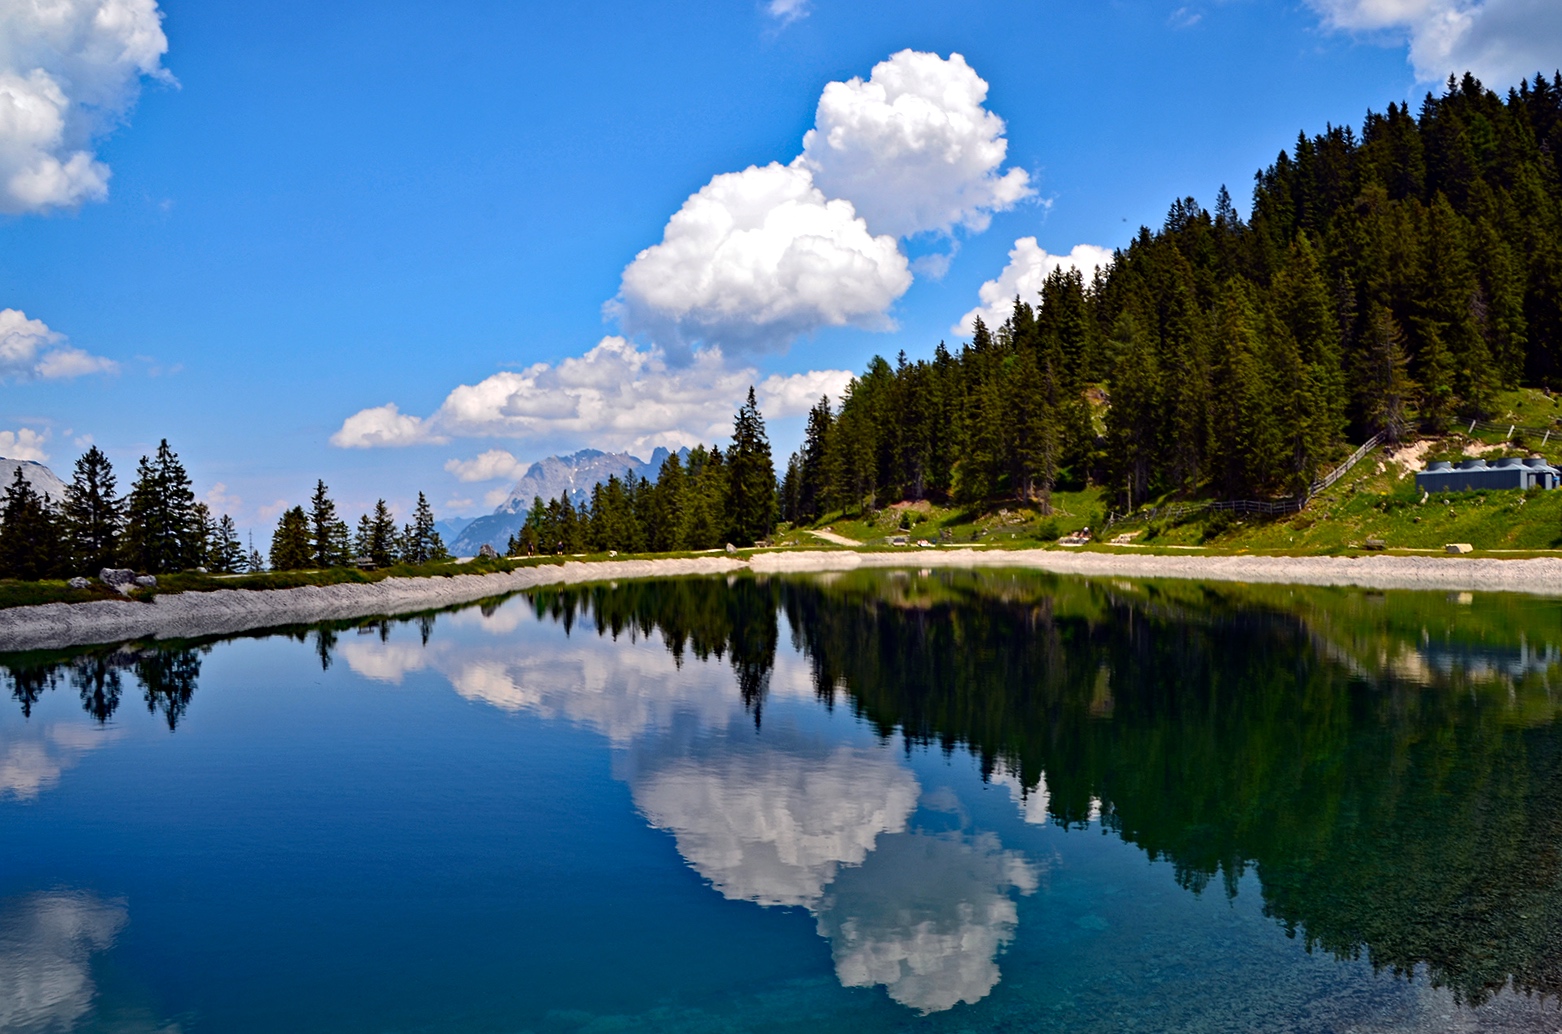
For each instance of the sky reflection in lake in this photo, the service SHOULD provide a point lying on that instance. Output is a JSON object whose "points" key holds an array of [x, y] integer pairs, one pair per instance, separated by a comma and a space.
{"points": [[952, 802]]}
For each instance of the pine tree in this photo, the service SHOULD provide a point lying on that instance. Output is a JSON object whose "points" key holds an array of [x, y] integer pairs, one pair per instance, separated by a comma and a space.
{"points": [[93, 514]]}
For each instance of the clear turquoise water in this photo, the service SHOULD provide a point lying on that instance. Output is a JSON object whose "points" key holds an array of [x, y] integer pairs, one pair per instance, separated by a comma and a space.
{"points": [[887, 803]]}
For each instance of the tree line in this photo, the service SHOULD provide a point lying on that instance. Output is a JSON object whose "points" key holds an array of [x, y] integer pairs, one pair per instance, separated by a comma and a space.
{"points": [[712, 499], [319, 538], [158, 526], [1389, 282]]}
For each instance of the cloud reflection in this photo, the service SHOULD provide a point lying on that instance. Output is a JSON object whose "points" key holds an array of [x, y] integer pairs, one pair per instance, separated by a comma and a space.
{"points": [[790, 818], [46, 944], [775, 826], [926, 915], [31, 765]]}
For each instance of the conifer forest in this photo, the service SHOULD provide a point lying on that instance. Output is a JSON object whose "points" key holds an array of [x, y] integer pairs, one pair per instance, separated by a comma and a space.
{"points": [[1389, 280]]}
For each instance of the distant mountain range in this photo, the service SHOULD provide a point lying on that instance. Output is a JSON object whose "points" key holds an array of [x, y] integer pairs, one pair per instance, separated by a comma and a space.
{"points": [[576, 474], [43, 480]]}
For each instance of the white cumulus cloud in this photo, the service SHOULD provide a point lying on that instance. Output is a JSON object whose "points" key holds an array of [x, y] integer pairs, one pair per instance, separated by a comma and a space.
{"points": [[913, 148], [1029, 265], [617, 396], [1501, 41], [493, 465], [24, 444], [382, 426], [756, 258], [29, 350], [70, 70]]}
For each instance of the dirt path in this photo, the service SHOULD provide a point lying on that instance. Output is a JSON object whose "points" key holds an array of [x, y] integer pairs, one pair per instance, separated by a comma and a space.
{"points": [[839, 540]]}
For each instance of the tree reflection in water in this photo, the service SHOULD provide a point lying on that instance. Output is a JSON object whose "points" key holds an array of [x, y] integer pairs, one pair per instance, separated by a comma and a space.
{"points": [[1394, 797]]}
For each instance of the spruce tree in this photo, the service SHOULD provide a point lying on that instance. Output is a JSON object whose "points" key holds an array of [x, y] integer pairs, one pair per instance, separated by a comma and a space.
{"points": [[704, 501], [1384, 376], [813, 476], [328, 534], [362, 536], [291, 546], [227, 554], [161, 533], [421, 542], [30, 544], [93, 514], [381, 544], [667, 497], [204, 533], [751, 487], [534, 536], [1135, 419]]}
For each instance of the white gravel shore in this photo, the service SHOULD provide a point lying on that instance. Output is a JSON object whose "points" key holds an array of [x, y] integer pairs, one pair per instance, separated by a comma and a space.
{"points": [[187, 615]]}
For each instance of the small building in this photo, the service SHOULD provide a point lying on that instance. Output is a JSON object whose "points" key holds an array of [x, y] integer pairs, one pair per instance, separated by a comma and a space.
{"points": [[1474, 475]]}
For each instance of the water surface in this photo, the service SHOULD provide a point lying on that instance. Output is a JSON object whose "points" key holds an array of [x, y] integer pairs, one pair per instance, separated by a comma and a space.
{"points": [[882, 801]]}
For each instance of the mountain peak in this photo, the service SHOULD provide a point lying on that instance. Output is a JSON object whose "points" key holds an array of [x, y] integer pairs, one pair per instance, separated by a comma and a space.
{"points": [[548, 478]]}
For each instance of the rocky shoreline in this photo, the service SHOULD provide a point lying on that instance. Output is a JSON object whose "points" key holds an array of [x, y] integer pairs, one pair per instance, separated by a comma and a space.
{"points": [[192, 614]]}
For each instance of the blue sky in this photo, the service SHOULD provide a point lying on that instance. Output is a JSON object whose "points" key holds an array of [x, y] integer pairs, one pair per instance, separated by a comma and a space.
{"points": [[255, 239]]}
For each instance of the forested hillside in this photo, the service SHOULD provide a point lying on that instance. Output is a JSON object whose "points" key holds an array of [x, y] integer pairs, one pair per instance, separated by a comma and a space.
{"points": [[1388, 281]]}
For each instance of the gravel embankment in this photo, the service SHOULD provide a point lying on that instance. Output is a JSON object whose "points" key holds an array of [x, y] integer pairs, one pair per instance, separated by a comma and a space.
{"points": [[190, 614], [187, 615]]}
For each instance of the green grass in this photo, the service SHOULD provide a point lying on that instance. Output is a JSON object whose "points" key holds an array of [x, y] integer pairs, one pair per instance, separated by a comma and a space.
{"points": [[1001, 524], [15, 593]]}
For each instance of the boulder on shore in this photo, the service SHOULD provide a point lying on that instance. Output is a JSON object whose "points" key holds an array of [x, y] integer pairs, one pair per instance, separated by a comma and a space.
{"points": [[79, 582], [121, 578]]}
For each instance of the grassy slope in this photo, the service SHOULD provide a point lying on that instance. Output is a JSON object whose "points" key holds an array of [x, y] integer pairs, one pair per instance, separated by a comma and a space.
{"points": [[1376, 500]]}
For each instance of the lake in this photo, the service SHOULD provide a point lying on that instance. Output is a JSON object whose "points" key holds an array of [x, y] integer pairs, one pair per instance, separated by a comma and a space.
{"points": [[878, 801]]}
